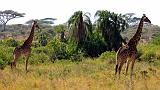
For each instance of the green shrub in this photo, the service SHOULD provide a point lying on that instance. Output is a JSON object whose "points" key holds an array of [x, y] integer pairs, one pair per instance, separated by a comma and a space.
{"points": [[61, 50], [6, 53], [5, 56], [38, 58], [2, 64], [95, 45], [77, 56], [148, 56], [10, 42], [149, 52], [109, 56], [156, 40], [36, 44], [57, 49]]}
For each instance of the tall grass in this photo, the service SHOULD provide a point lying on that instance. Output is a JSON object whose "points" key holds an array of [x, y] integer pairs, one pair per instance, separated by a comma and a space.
{"points": [[88, 74]]}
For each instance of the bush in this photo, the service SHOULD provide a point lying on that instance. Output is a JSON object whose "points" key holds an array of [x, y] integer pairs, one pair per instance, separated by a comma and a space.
{"points": [[38, 58], [60, 50], [5, 56], [109, 56], [10, 42], [156, 40], [77, 56], [148, 56], [149, 52], [2, 64], [57, 49], [95, 45]]}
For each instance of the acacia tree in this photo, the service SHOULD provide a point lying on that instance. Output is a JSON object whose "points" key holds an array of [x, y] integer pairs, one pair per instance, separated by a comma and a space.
{"points": [[80, 26], [131, 19], [45, 21], [111, 24], [7, 15]]}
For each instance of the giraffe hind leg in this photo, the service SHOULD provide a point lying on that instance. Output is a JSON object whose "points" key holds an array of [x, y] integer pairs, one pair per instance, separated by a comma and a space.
{"points": [[133, 58], [27, 57], [132, 66], [13, 64], [27, 62], [120, 68], [127, 65]]}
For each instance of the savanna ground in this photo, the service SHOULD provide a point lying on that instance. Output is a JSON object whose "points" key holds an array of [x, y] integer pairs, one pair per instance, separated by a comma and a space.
{"points": [[89, 74]]}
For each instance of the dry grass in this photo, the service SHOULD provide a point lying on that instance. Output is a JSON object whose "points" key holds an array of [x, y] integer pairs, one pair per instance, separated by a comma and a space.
{"points": [[86, 75]]}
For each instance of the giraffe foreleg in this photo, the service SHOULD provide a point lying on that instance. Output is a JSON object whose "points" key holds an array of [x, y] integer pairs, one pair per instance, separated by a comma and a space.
{"points": [[133, 61], [13, 64], [127, 65], [27, 62], [120, 68], [132, 66]]}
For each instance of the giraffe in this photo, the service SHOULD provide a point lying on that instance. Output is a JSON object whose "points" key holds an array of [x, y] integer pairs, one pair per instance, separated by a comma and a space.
{"points": [[25, 49], [128, 53]]}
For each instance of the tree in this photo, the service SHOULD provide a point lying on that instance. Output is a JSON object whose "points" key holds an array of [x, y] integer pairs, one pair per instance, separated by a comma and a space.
{"points": [[48, 20], [45, 21], [110, 25], [80, 25], [131, 19], [7, 15]]}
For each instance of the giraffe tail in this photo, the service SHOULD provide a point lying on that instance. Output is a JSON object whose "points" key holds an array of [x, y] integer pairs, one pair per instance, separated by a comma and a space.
{"points": [[116, 69], [117, 61]]}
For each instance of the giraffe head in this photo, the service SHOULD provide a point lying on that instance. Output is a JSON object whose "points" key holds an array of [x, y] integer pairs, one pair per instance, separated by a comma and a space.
{"points": [[145, 18], [35, 24]]}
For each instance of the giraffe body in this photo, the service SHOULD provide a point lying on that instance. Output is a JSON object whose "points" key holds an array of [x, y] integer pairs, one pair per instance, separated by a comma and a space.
{"points": [[128, 53], [25, 49]]}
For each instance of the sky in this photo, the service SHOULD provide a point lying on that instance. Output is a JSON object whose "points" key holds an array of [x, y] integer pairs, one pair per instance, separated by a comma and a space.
{"points": [[63, 9]]}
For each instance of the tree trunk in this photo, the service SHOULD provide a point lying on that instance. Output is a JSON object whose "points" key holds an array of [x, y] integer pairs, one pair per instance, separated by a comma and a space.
{"points": [[4, 27]]}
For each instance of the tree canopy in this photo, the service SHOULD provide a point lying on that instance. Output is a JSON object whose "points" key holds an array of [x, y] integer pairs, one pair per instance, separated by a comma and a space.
{"points": [[111, 24], [44, 21], [7, 15], [80, 25]]}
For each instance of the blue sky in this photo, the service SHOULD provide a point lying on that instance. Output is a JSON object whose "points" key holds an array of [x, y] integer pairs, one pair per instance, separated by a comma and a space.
{"points": [[63, 9]]}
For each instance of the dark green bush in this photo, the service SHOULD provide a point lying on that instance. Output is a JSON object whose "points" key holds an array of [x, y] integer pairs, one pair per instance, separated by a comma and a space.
{"points": [[10, 42], [110, 56], [60, 50], [2, 64], [57, 49], [5, 55], [95, 45]]}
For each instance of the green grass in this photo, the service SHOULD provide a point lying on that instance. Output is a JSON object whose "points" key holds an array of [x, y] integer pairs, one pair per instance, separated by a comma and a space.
{"points": [[97, 74]]}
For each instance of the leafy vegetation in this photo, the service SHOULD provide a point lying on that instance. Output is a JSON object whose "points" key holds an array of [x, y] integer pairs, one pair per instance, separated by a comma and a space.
{"points": [[111, 24]]}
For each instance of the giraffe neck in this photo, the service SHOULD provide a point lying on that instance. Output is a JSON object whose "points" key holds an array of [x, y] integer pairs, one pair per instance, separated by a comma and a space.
{"points": [[136, 38], [29, 40]]}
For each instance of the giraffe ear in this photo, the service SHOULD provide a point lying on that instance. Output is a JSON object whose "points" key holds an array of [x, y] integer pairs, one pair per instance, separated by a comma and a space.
{"points": [[34, 21], [144, 15]]}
